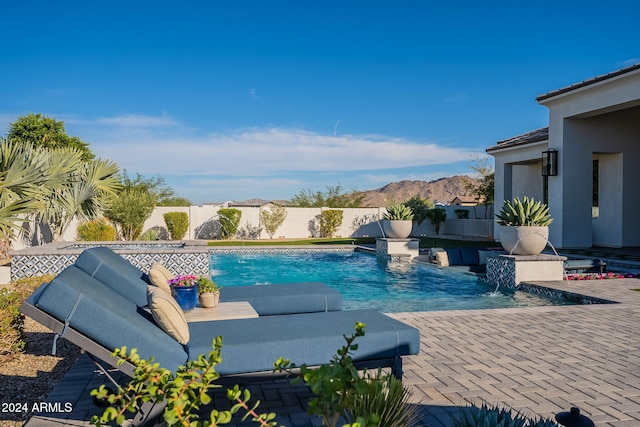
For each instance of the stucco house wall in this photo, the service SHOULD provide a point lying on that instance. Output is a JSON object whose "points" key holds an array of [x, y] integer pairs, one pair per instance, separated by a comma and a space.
{"points": [[597, 119]]}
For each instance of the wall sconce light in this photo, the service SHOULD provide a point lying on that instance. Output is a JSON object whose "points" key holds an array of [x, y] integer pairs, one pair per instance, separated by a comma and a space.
{"points": [[550, 162]]}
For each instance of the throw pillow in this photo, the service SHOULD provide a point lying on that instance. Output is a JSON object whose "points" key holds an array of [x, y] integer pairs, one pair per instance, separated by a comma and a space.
{"points": [[443, 259], [168, 314], [159, 275]]}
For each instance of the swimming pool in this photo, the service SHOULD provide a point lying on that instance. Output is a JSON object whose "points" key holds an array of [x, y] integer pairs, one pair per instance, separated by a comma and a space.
{"points": [[366, 281]]}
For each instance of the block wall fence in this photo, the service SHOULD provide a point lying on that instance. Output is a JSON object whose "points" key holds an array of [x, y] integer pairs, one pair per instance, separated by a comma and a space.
{"points": [[299, 223]]}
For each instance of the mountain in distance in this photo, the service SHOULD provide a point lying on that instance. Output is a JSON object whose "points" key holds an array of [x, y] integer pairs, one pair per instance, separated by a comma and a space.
{"points": [[442, 190]]}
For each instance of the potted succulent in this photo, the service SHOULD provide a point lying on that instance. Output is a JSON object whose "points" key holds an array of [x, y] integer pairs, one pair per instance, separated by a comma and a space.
{"points": [[184, 289], [398, 221], [208, 292], [525, 224]]}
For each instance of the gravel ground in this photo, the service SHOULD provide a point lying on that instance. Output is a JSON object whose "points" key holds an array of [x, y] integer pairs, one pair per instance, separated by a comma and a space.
{"points": [[29, 377]]}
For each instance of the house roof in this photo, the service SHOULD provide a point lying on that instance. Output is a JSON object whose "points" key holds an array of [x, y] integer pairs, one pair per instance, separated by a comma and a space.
{"points": [[257, 202], [250, 203], [588, 82], [537, 135], [464, 199]]}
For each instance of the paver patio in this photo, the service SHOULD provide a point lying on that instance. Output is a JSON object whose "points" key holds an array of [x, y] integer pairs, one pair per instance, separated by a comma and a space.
{"points": [[539, 360]]}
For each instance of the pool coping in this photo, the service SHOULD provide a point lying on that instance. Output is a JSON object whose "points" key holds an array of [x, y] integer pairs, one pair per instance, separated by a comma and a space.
{"points": [[192, 257]]}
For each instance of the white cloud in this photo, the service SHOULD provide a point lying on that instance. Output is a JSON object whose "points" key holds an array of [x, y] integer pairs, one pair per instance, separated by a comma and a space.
{"points": [[257, 151], [629, 62], [139, 121]]}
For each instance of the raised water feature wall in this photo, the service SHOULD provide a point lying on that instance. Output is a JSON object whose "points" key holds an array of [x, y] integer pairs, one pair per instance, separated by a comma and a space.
{"points": [[510, 270], [190, 257]]}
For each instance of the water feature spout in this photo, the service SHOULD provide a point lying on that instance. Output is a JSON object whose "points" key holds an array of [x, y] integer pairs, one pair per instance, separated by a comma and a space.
{"points": [[381, 230]]}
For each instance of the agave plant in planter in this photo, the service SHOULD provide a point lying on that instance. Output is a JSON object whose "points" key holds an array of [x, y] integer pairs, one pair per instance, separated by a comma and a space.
{"points": [[398, 221], [525, 224]]}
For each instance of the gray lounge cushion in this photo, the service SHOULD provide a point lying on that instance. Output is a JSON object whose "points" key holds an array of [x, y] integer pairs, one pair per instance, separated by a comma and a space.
{"points": [[289, 298], [107, 317], [253, 345], [470, 256], [116, 272]]}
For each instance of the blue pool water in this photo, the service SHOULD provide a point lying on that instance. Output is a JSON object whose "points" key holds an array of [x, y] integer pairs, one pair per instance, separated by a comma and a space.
{"points": [[365, 281]]}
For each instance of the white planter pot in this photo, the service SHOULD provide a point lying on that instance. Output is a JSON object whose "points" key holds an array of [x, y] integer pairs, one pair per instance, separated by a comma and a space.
{"points": [[209, 299], [397, 229], [524, 240]]}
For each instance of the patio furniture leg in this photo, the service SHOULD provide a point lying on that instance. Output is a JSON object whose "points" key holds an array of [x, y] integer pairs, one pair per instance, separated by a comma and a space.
{"points": [[396, 368]]}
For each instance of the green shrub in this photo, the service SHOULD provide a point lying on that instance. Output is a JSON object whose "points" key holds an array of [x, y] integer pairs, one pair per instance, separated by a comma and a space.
{"points": [[11, 320], [437, 217], [184, 392], [229, 219], [419, 207], [150, 235], [96, 231], [330, 222], [177, 224], [379, 400]]}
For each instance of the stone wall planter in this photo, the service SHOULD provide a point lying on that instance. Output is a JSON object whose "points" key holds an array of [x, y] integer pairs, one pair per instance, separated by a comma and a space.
{"points": [[524, 240], [397, 229]]}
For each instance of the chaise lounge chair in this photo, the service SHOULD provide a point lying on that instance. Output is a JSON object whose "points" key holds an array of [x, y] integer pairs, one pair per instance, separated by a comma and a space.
{"points": [[99, 318]]}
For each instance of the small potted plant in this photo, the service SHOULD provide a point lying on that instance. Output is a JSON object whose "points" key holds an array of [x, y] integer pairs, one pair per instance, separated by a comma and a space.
{"points": [[399, 221], [525, 224], [185, 290], [208, 292]]}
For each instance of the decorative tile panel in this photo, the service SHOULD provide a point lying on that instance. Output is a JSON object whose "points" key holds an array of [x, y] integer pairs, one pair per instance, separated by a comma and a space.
{"points": [[501, 271]]}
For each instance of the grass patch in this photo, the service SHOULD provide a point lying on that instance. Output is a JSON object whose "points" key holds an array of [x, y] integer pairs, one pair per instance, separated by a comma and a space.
{"points": [[425, 242], [295, 242]]}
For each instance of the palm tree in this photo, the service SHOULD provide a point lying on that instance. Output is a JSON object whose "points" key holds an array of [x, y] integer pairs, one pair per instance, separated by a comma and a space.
{"points": [[23, 184], [52, 186], [84, 195]]}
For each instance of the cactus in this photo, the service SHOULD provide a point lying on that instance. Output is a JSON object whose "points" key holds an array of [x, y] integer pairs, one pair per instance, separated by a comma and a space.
{"points": [[527, 212]]}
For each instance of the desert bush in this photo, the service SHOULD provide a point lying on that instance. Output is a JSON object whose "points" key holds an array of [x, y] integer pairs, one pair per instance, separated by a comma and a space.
{"points": [[437, 216], [272, 219], [177, 224], [96, 231], [330, 222], [11, 320], [229, 219]]}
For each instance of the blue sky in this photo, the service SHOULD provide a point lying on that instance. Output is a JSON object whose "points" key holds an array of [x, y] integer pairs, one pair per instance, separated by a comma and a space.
{"points": [[229, 100]]}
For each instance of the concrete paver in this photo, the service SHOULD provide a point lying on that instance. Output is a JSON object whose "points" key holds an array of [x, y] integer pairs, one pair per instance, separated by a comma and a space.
{"points": [[538, 360]]}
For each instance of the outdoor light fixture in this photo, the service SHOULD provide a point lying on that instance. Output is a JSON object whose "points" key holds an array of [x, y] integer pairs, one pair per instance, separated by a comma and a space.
{"points": [[573, 418], [550, 162]]}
